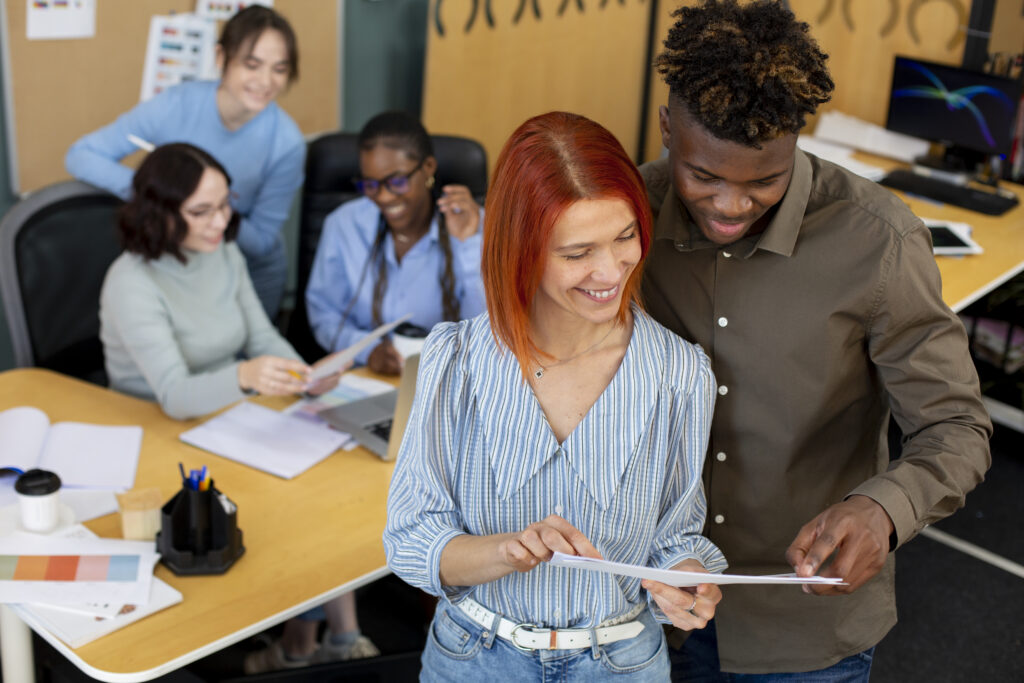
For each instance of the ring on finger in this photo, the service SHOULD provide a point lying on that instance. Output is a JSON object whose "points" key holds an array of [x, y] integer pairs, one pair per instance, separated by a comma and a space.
{"points": [[691, 607]]}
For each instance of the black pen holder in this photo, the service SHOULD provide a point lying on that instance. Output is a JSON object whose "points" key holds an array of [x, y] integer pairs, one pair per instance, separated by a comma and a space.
{"points": [[199, 532]]}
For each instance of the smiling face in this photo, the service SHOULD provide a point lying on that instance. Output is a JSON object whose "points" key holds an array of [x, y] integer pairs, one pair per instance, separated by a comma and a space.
{"points": [[257, 74], [727, 188], [409, 212], [594, 247], [207, 213]]}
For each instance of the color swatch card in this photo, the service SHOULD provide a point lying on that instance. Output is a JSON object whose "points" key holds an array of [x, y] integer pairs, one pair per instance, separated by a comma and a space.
{"points": [[74, 571]]}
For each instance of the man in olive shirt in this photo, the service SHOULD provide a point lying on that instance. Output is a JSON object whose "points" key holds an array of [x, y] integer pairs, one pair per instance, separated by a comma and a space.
{"points": [[816, 295]]}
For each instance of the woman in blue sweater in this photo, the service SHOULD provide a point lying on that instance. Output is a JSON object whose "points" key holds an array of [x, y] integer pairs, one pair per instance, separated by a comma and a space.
{"points": [[234, 119]]}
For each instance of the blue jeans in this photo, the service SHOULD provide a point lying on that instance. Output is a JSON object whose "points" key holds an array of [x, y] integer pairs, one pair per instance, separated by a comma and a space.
{"points": [[697, 662], [458, 649]]}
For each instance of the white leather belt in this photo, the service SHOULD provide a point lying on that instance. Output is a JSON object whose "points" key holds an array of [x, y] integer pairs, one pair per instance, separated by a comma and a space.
{"points": [[530, 637]]}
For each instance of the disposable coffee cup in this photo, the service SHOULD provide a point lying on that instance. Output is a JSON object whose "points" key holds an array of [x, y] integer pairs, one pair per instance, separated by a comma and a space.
{"points": [[37, 499]]}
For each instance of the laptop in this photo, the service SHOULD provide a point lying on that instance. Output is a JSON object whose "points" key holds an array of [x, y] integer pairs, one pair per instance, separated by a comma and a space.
{"points": [[378, 422]]}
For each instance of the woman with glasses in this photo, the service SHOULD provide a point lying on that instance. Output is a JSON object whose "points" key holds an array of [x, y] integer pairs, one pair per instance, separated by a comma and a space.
{"points": [[406, 246], [236, 120], [179, 319]]}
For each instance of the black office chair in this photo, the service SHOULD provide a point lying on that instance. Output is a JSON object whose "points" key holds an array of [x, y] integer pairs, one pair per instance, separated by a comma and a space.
{"points": [[332, 161], [55, 248]]}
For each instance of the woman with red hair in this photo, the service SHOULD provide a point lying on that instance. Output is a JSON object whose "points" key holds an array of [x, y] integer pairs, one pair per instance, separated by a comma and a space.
{"points": [[564, 419]]}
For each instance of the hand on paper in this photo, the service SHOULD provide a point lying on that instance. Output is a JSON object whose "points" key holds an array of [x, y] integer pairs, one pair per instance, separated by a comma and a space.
{"points": [[384, 359], [535, 544], [461, 212], [272, 376], [676, 602], [325, 384], [859, 528]]}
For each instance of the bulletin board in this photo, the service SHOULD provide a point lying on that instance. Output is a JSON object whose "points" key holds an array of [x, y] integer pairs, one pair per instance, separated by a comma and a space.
{"points": [[861, 38], [491, 64], [58, 90]]}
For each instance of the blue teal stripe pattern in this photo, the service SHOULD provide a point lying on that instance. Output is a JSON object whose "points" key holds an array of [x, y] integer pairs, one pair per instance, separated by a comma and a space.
{"points": [[478, 457]]}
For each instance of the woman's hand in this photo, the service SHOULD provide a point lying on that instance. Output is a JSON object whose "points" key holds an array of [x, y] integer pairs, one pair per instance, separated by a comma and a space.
{"points": [[536, 543], [461, 212], [686, 608], [272, 376], [385, 360], [325, 384]]}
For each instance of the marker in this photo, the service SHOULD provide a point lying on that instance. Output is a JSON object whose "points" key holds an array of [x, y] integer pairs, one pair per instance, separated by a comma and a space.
{"points": [[140, 143]]}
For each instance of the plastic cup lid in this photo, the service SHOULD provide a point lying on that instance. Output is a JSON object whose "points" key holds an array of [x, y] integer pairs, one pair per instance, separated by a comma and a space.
{"points": [[37, 483]]}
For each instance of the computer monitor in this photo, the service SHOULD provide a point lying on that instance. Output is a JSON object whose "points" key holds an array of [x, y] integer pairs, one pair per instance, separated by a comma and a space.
{"points": [[969, 112]]}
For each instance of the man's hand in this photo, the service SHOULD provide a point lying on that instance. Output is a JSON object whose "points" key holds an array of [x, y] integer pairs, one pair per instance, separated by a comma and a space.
{"points": [[859, 528]]}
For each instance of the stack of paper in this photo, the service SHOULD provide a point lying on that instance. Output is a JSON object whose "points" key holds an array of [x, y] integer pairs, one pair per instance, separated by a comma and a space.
{"points": [[80, 587]]}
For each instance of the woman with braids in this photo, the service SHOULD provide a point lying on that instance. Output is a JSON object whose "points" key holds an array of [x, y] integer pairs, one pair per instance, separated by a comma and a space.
{"points": [[405, 247], [564, 419]]}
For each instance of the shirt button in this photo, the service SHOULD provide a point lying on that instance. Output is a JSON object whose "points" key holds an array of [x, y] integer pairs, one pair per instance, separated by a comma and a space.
{"points": [[723, 390], [723, 321], [680, 246], [719, 519], [558, 509], [720, 456], [727, 254]]}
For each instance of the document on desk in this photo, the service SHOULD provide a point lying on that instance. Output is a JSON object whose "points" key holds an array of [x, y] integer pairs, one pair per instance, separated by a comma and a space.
{"points": [[83, 455], [283, 445], [679, 578]]}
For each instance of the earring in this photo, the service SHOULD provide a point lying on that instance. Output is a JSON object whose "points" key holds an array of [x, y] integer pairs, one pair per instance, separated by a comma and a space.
{"points": [[430, 182]]}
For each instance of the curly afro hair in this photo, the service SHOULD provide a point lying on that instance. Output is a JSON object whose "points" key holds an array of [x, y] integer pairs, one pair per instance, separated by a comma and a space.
{"points": [[747, 73]]}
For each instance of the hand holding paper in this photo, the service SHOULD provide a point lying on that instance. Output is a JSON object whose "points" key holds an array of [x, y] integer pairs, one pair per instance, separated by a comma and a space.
{"points": [[336, 362], [681, 578]]}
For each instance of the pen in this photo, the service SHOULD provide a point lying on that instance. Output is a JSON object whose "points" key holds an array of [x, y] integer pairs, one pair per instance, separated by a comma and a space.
{"points": [[140, 143], [181, 468]]}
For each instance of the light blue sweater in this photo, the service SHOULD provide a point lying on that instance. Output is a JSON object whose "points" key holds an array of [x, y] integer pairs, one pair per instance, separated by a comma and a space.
{"points": [[175, 331], [265, 159]]}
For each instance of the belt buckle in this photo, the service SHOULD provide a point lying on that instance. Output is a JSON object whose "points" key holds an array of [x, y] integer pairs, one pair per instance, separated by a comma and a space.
{"points": [[515, 643]]}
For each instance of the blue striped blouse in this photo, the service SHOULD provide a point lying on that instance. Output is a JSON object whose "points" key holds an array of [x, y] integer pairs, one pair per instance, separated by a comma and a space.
{"points": [[478, 457]]}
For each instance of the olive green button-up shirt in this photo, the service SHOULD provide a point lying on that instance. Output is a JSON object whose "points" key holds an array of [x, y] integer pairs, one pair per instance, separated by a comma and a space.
{"points": [[817, 329]]}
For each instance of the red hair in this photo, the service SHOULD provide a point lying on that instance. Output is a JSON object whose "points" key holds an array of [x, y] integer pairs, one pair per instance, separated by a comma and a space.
{"points": [[549, 163]]}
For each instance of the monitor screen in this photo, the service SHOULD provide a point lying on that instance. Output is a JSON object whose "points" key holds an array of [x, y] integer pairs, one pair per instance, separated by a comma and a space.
{"points": [[953, 106]]}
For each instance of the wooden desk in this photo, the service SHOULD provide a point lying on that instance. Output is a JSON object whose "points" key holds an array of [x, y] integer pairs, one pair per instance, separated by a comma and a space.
{"points": [[307, 540], [966, 279]]}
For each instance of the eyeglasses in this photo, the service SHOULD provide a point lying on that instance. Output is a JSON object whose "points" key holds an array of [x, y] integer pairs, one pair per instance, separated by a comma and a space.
{"points": [[397, 183]]}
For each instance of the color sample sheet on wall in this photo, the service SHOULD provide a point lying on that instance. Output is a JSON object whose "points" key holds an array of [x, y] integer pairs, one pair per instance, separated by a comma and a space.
{"points": [[60, 19], [180, 48]]}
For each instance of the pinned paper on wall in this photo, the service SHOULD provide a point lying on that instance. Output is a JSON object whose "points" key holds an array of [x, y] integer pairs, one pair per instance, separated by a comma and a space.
{"points": [[225, 9], [181, 47], [60, 19]]}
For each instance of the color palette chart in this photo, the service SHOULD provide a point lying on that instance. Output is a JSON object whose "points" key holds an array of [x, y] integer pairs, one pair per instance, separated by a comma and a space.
{"points": [[70, 568]]}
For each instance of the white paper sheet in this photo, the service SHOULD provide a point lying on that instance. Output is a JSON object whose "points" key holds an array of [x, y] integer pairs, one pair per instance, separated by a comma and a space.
{"points": [[338, 360], [92, 456], [22, 434], [225, 9], [283, 445], [180, 47], [679, 578], [50, 19]]}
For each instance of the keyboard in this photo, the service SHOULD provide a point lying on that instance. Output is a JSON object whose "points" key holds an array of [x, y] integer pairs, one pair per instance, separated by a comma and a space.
{"points": [[958, 195]]}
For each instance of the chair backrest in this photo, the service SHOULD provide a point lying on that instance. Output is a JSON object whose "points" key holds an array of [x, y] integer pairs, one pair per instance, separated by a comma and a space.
{"points": [[55, 248], [332, 161]]}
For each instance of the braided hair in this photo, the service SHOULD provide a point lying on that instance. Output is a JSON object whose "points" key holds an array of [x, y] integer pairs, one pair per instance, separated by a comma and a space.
{"points": [[747, 73], [400, 131]]}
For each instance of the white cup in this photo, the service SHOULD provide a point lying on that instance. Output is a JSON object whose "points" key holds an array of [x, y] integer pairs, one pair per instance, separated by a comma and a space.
{"points": [[37, 498]]}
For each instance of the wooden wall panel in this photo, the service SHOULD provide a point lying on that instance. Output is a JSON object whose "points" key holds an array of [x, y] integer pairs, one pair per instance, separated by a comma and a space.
{"points": [[62, 89], [861, 43], [484, 82]]}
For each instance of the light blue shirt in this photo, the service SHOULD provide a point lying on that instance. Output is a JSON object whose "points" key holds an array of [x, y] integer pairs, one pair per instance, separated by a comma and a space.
{"points": [[265, 159], [479, 458], [413, 286]]}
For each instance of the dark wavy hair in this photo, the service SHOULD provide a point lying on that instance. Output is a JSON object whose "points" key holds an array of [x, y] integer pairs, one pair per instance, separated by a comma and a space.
{"points": [[243, 30], [747, 73], [151, 224], [404, 132]]}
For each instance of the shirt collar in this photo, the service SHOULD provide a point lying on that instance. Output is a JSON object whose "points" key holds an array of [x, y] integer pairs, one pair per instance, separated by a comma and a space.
{"points": [[673, 222], [601, 446]]}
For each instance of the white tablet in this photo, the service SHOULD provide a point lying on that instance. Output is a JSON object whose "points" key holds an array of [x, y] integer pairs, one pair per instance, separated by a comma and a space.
{"points": [[952, 239]]}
